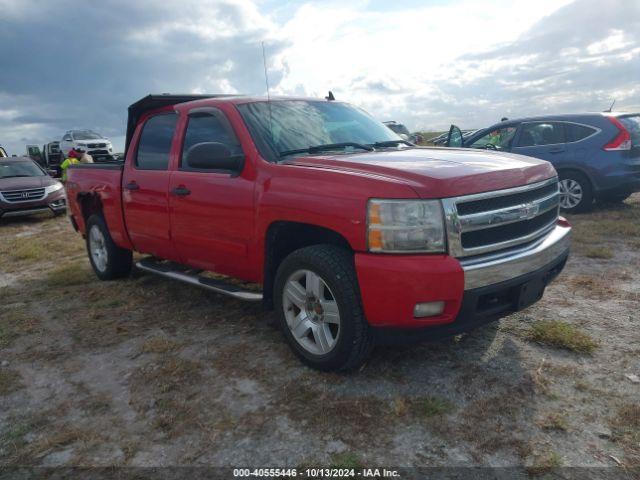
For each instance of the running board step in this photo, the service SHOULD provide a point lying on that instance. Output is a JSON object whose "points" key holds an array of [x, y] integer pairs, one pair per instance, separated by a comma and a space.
{"points": [[179, 272]]}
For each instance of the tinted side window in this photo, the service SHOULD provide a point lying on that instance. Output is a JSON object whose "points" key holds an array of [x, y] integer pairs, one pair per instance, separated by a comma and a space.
{"points": [[155, 142], [543, 133], [574, 132], [498, 139], [208, 127]]}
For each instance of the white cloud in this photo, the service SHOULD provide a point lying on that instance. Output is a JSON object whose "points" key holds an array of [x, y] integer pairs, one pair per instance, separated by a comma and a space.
{"points": [[427, 65]]}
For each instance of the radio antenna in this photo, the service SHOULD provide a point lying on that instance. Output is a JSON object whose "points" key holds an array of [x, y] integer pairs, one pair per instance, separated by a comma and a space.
{"points": [[612, 104], [266, 81]]}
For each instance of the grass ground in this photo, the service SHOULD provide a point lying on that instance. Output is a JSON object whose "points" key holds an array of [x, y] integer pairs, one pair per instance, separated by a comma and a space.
{"points": [[148, 372]]}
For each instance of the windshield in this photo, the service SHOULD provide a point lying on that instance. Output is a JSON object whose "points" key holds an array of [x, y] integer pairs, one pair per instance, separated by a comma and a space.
{"points": [[19, 169], [86, 135], [284, 126], [632, 124]]}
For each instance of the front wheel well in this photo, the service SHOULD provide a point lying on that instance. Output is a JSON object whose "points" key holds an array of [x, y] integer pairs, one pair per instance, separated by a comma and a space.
{"points": [[284, 238], [564, 171]]}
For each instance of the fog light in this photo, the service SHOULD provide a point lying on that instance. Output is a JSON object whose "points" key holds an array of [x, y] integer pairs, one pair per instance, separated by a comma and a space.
{"points": [[428, 309]]}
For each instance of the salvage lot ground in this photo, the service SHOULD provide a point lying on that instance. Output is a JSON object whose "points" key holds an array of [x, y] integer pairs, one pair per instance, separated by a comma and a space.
{"points": [[148, 372]]}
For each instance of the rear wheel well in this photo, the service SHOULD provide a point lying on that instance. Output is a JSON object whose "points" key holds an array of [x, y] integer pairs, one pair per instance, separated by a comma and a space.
{"points": [[90, 204], [284, 238]]}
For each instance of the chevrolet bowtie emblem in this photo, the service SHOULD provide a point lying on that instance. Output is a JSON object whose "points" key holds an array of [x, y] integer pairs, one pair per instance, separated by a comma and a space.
{"points": [[531, 210]]}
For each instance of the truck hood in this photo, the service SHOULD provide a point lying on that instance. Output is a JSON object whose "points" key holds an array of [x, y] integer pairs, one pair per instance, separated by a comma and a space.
{"points": [[439, 172], [23, 183]]}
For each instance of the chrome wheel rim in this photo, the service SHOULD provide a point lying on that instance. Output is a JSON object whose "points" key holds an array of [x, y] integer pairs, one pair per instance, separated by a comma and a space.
{"points": [[311, 312], [570, 193], [98, 248]]}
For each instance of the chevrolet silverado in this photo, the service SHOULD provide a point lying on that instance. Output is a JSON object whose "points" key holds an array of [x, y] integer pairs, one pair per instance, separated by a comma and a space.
{"points": [[354, 235]]}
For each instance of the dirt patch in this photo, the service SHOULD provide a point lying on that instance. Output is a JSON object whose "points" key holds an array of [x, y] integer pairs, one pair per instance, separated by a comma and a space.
{"points": [[147, 372]]}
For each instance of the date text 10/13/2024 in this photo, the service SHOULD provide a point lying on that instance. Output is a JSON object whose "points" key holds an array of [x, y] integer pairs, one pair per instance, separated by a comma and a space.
{"points": [[315, 472]]}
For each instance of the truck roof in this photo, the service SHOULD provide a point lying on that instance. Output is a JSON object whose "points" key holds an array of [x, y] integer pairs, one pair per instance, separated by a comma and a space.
{"points": [[154, 101]]}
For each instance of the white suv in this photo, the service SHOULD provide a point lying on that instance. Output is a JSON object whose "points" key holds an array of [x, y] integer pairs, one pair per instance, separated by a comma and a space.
{"points": [[99, 147]]}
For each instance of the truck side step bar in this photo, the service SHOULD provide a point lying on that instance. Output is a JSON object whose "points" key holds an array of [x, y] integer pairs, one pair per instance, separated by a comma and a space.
{"points": [[183, 274]]}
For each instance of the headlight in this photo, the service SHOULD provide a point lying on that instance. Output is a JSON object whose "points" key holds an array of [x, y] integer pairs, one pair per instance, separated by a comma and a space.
{"points": [[52, 188], [405, 226]]}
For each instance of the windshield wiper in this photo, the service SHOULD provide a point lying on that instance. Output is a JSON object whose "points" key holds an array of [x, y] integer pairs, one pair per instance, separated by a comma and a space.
{"points": [[327, 146], [391, 143], [15, 176]]}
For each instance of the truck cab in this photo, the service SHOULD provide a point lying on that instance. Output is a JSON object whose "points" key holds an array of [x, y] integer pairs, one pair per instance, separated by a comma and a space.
{"points": [[353, 235]]}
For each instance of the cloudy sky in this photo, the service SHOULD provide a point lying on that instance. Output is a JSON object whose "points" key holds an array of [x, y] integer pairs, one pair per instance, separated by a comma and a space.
{"points": [[69, 63]]}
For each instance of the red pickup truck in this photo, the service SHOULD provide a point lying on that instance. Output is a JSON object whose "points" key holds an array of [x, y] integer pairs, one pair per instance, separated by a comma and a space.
{"points": [[355, 235]]}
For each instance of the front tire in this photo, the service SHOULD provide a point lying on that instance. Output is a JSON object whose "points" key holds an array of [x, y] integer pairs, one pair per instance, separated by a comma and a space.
{"points": [[318, 304], [107, 259], [576, 193]]}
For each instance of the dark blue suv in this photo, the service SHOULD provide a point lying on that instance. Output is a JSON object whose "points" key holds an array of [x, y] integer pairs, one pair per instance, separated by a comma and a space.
{"points": [[597, 155]]}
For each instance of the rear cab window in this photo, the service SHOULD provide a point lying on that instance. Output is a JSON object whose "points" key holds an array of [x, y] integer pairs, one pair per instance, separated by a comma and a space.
{"points": [[536, 134], [155, 141]]}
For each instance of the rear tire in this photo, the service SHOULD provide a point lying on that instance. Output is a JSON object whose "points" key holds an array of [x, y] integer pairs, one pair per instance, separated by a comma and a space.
{"points": [[318, 305], [107, 259], [576, 193]]}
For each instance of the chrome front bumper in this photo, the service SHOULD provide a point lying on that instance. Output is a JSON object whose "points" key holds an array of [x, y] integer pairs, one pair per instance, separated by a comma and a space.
{"points": [[495, 268]]}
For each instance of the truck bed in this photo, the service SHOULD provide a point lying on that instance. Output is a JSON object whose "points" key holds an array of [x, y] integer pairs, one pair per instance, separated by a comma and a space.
{"points": [[103, 182]]}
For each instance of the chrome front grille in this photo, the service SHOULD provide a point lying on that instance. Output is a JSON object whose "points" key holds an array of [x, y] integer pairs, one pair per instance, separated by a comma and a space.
{"points": [[18, 196], [493, 221]]}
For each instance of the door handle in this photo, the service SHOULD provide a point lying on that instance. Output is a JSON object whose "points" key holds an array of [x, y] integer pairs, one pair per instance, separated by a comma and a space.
{"points": [[132, 186], [557, 150], [181, 191]]}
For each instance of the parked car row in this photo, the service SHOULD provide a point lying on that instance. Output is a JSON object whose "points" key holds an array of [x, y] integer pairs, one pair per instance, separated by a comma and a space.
{"points": [[597, 156], [356, 234], [53, 153], [441, 139], [403, 132]]}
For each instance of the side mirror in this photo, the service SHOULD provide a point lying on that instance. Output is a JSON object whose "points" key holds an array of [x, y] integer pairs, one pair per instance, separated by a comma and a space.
{"points": [[454, 139], [52, 172], [213, 156]]}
